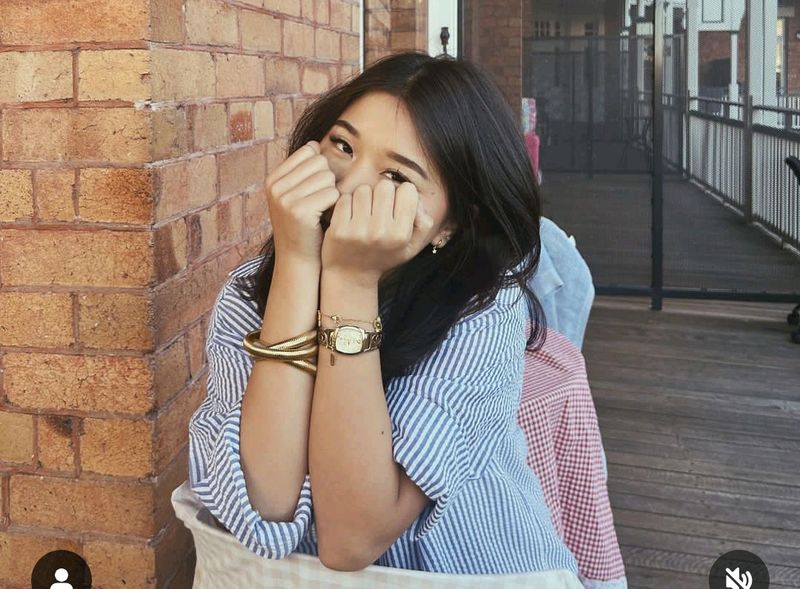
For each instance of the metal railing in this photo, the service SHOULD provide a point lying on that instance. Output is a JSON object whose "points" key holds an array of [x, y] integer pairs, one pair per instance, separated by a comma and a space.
{"points": [[736, 150]]}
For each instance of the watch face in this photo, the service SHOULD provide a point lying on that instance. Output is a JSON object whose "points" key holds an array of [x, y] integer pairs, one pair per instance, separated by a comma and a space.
{"points": [[349, 339]]}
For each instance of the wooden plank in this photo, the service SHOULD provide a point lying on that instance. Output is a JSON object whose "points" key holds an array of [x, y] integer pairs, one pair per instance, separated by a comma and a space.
{"points": [[647, 578], [730, 379], [648, 421], [695, 466], [764, 467], [692, 563], [761, 488], [692, 401], [726, 506], [711, 547]]}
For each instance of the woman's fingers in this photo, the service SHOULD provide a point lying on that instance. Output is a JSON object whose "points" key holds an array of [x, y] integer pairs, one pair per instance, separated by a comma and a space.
{"points": [[316, 181], [305, 169], [309, 150]]}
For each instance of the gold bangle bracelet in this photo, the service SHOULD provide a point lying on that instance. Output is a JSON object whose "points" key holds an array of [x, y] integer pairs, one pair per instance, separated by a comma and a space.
{"points": [[282, 350], [303, 338], [305, 365]]}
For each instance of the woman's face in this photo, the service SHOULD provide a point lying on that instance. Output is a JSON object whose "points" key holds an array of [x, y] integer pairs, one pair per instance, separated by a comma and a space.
{"points": [[374, 138]]}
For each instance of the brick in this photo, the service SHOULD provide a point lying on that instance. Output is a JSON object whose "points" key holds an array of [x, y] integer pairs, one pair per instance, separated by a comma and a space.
{"points": [[172, 476], [341, 15], [350, 48], [16, 437], [172, 424], [308, 9], [118, 565], [172, 134], [197, 348], [26, 22], [355, 20], [264, 119], [114, 321], [300, 104], [76, 258], [16, 194], [315, 80], [327, 44], [277, 151], [171, 249], [229, 220], [323, 12], [119, 447], [241, 121], [47, 134], [19, 553], [175, 549], [54, 189], [284, 116], [298, 39], [43, 320], [242, 169], [35, 76], [182, 75], [260, 32], [171, 371], [166, 21], [185, 185], [78, 382], [289, 7], [239, 76], [211, 22], [256, 210], [54, 441], [115, 195], [203, 235], [283, 76], [186, 298], [210, 125], [122, 74], [82, 505]]}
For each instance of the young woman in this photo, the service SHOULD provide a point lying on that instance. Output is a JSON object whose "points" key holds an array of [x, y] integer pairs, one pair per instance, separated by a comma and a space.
{"points": [[407, 196]]}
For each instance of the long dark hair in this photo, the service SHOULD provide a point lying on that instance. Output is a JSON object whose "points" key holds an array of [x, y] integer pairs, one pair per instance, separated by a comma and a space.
{"points": [[469, 134]]}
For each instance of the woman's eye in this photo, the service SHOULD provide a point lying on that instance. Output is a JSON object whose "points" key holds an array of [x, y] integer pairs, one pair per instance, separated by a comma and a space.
{"points": [[337, 141], [398, 177]]}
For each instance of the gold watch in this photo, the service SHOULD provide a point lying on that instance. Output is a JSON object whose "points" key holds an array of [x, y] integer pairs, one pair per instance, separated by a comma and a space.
{"points": [[349, 339]]}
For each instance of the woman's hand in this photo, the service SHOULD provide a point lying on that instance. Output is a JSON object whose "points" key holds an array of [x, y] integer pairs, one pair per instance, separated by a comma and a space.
{"points": [[373, 231], [299, 190]]}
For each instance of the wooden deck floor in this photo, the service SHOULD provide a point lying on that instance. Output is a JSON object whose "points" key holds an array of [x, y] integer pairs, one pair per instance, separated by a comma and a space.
{"points": [[699, 408], [706, 245]]}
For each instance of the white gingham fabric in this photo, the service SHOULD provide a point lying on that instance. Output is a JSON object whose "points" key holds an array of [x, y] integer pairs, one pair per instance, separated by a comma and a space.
{"points": [[565, 450], [222, 561]]}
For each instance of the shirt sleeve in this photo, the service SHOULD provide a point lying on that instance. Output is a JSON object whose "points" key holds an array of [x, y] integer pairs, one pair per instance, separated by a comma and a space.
{"points": [[452, 409], [215, 471]]}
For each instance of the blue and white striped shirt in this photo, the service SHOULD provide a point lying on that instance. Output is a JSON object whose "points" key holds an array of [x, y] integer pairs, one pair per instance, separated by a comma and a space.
{"points": [[454, 431]]}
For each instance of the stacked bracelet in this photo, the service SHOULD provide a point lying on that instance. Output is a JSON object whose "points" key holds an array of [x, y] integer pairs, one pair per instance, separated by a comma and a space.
{"points": [[293, 350]]}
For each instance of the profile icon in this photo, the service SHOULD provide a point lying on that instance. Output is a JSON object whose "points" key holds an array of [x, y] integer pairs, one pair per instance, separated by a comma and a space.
{"points": [[61, 576], [61, 569]]}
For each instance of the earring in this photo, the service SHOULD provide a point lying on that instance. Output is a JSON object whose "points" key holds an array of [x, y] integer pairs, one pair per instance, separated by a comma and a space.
{"points": [[437, 246]]}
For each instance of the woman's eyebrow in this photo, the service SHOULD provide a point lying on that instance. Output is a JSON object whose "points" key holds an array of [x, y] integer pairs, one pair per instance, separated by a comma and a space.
{"points": [[392, 154]]}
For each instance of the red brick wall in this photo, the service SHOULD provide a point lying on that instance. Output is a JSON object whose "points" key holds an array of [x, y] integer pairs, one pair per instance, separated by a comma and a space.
{"points": [[713, 45], [394, 25], [134, 145], [494, 40], [793, 62]]}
